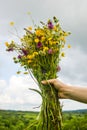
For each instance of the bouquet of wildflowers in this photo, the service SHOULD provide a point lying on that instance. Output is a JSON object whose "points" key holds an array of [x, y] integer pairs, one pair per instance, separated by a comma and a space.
{"points": [[39, 53]]}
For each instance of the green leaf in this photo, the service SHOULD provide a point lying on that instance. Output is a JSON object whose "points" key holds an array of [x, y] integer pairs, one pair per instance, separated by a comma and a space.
{"points": [[36, 91]]}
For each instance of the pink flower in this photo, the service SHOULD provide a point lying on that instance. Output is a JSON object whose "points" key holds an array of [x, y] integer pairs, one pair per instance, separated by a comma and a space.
{"points": [[50, 51], [50, 25]]}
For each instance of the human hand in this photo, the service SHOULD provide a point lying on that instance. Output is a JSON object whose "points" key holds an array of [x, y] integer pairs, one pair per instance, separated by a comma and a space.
{"points": [[61, 87]]}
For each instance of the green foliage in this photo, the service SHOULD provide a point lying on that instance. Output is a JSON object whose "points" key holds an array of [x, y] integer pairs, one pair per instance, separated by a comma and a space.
{"points": [[20, 120], [15, 120]]}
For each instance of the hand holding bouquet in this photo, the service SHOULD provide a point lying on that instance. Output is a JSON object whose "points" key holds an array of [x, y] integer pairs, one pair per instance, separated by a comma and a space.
{"points": [[39, 53]]}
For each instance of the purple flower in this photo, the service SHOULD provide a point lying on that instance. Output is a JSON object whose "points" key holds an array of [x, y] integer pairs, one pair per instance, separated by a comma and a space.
{"points": [[24, 51], [10, 49], [50, 25], [39, 45], [19, 56], [50, 51]]}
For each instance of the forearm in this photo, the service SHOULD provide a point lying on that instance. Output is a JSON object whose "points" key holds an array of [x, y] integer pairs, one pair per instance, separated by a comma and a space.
{"points": [[76, 93]]}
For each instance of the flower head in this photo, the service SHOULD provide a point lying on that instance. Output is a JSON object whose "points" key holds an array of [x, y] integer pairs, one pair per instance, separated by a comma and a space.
{"points": [[39, 45], [10, 49], [11, 23], [50, 51], [24, 51], [50, 25], [7, 44], [19, 56], [69, 46]]}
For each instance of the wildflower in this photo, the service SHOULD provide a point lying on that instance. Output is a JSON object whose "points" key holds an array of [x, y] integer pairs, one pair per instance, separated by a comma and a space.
{"points": [[25, 72], [63, 54], [11, 23], [39, 32], [42, 38], [30, 57], [29, 28], [18, 72], [66, 34], [35, 53], [36, 40], [19, 56], [45, 48], [63, 46], [7, 44], [28, 13], [39, 45], [55, 28], [69, 46], [50, 25], [29, 61], [24, 51], [9, 49], [50, 51], [55, 19]]}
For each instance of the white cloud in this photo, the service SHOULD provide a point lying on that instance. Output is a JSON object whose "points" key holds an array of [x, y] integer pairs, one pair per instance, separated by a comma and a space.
{"points": [[17, 93]]}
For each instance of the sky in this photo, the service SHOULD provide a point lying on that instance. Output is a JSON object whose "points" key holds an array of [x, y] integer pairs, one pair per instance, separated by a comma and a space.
{"points": [[14, 89]]}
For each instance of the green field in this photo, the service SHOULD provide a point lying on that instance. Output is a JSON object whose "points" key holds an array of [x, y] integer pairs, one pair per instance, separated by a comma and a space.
{"points": [[19, 120]]}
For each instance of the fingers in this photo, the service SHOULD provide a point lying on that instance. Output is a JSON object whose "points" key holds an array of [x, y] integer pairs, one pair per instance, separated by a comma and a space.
{"points": [[50, 81]]}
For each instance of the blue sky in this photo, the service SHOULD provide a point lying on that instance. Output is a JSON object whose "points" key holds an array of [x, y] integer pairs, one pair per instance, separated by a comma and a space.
{"points": [[14, 92]]}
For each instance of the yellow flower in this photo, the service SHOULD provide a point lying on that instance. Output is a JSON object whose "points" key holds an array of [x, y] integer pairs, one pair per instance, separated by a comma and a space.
{"points": [[29, 61], [11, 23], [29, 28], [62, 38], [35, 53], [54, 42], [39, 32], [51, 42], [28, 13], [66, 34], [63, 46], [50, 39], [45, 48], [55, 28], [18, 72], [7, 44], [63, 54], [36, 40], [25, 72], [30, 57], [69, 46], [42, 38]]}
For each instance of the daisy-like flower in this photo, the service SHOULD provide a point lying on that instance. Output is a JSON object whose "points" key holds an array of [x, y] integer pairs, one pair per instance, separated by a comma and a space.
{"points": [[63, 54], [7, 44], [11, 23], [69, 46]]}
